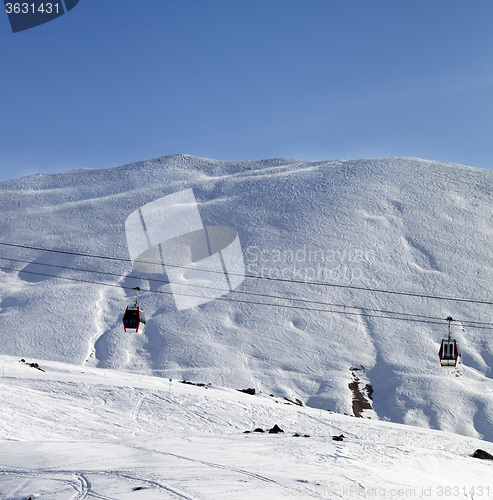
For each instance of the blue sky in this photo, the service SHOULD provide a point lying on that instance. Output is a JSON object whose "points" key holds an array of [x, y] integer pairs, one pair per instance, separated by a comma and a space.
{"points": [[118, 81]]}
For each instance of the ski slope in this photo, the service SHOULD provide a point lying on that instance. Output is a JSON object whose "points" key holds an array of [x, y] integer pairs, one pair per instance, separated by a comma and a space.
{"points": [[395, 224], [71, 432]]}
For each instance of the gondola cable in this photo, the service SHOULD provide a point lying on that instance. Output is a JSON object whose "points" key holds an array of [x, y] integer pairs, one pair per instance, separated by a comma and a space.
{"points": [[239, 292], [316, 283], [289, 306]]}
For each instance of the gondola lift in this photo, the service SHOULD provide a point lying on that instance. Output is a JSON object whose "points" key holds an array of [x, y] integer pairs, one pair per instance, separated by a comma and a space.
{"points": [[449, 353], [134, 318]]}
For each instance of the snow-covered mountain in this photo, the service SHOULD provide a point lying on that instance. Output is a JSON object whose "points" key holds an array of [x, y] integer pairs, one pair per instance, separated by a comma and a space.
{"points": [[397, 224]]}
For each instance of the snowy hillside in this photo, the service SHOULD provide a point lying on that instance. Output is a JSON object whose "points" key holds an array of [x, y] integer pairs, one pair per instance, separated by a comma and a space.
{"points": [[73, 433], [404, 225]]}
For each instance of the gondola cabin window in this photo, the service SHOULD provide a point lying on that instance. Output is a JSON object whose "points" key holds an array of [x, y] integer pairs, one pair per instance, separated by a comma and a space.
{"points": [[132, 319]]}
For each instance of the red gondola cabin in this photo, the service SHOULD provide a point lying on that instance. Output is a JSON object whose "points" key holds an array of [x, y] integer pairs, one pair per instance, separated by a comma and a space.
{"points": [[449, 353], [134, 320]]}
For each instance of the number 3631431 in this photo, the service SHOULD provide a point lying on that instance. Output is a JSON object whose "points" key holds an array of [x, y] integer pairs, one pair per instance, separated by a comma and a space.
{"points": [[27, 8]]}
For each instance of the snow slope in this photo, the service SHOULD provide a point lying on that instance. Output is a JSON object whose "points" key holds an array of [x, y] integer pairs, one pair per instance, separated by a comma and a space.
{"points": [[397, 224], [72, 432]]}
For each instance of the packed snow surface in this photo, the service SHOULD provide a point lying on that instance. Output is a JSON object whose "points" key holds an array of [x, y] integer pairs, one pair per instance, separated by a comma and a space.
{"points": [[103, 418], [73, 432]]}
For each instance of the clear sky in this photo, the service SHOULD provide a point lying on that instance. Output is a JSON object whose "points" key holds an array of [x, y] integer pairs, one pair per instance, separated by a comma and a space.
{"points": [[118, 81]]}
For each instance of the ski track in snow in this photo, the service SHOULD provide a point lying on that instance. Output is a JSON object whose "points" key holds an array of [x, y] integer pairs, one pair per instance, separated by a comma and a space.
{"points": [[80, 482]]}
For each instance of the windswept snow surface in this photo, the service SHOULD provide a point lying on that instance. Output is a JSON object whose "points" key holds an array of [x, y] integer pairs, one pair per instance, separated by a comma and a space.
{"points": [[397, 224], [80, 433]]}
